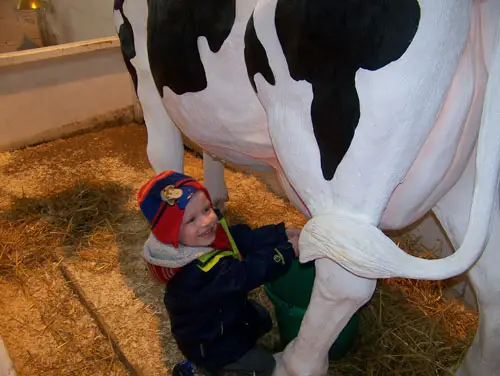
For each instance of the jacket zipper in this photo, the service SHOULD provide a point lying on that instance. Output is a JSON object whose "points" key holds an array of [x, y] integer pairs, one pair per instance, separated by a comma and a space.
{"points": [[221, 323]]}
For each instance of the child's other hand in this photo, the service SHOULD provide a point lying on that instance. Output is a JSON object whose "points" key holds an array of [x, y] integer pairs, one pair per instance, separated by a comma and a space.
{"points": [[292, 232], [293, 237], [295, 244], [220, 204]]}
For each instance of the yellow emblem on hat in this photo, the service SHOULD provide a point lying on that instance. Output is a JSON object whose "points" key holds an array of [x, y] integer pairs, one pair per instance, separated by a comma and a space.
{"points": [[170, 194]]}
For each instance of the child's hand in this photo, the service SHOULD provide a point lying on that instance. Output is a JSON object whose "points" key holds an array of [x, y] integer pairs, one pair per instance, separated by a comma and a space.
{"points": [[293, 237], [295, 244], [292, 232], [220, 204]]}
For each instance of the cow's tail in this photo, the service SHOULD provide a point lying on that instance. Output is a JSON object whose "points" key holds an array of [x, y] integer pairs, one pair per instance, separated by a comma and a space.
{"points": [[365, 250]]}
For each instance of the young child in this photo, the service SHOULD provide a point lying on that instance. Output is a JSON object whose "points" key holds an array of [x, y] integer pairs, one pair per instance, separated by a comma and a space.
{"points": [[209, 268]]}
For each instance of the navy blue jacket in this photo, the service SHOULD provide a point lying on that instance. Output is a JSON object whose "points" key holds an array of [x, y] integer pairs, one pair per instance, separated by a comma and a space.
{"points": [[211, 318]]}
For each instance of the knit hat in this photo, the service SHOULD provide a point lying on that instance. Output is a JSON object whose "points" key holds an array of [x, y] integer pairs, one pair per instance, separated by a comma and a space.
{"points": [[163, 200]]}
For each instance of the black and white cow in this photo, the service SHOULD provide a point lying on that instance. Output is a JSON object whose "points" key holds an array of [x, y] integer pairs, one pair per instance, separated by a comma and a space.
{"points": [[371, 112]]}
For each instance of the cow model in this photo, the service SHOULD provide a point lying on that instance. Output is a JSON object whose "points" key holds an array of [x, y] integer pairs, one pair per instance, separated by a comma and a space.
{"points": [[371, 112]]}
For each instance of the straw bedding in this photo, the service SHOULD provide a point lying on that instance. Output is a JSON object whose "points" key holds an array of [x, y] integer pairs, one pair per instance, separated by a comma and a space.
{"points": [[75, 297]]}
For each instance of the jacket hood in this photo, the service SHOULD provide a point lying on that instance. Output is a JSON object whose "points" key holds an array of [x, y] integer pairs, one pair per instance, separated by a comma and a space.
{"points": [[168, 256]]}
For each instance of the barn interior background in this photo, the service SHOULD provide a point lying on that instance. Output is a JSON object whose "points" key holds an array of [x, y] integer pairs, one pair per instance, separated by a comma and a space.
{"points": [[74, 294]]}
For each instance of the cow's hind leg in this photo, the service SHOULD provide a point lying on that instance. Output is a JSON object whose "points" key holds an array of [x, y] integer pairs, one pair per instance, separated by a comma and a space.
{"points": [[337, 295], [453, 212], [483, 356]]}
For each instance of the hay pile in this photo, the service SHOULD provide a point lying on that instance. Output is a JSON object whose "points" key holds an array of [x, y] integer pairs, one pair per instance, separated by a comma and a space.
{"points": [[87, 224], [77, 220], [45, 326]]}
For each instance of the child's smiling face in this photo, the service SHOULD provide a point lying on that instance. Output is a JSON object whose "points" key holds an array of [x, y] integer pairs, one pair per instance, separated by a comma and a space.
{"points": [[198, 223]]}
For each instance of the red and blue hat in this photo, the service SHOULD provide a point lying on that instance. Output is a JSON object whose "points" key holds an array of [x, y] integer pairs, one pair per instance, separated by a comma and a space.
{"points": [[163, 200]]}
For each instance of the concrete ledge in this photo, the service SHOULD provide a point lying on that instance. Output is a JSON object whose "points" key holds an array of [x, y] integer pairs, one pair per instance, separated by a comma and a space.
{"points": [[118, 117], [53, 52], [52, 92]]}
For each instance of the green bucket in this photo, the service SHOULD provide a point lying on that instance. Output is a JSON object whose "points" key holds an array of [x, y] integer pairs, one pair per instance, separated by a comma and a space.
{"points": [[290, 296]]}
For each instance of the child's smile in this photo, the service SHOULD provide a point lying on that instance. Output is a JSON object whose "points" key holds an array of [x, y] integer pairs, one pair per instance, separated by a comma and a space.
{"points": [[199, 222]]}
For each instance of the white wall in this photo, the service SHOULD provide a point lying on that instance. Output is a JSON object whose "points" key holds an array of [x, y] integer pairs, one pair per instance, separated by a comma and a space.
{"points": [[68, 21], [54, 91]]}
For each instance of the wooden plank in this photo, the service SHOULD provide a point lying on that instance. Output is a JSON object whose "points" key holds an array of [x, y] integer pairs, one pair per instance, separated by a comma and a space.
{"points": [[51, 52]]}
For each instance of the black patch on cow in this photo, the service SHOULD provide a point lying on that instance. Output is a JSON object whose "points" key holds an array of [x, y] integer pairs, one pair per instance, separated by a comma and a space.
{"points": [[126, 36], [118, 4], [256, 57], [325, 42], [173, 29]]}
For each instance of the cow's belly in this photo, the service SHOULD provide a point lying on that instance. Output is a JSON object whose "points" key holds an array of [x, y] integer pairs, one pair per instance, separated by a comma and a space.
{"points": [[226, 118], [449, 146], [231, 127]]}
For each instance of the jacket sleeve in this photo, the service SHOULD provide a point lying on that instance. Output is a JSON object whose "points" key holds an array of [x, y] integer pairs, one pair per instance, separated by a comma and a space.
{"points": [[249, 240], [260, 266]]}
